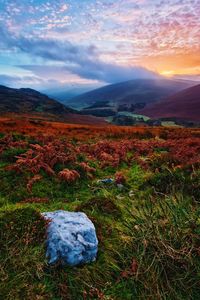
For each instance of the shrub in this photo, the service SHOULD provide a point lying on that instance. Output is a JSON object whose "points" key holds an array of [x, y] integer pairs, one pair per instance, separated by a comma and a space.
{"points": [[68, 176]]}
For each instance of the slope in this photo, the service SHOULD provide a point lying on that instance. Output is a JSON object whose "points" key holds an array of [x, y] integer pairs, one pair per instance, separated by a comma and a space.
{"points": [[184, 105]]}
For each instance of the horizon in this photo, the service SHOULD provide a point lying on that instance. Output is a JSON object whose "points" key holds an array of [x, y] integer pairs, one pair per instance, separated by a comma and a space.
{"points": [[78, 44]]}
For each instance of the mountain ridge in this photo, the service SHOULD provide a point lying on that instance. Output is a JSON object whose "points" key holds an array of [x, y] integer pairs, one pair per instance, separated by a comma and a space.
{"points": [[130, 92]]}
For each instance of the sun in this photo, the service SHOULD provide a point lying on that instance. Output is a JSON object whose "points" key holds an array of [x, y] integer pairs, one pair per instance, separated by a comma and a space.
{"points": [[167, 73]]}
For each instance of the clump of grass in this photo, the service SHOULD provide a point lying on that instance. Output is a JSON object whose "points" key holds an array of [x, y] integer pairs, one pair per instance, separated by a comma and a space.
{"points": [[22, 260], [170, 181], [165, 236], [21, 226]]}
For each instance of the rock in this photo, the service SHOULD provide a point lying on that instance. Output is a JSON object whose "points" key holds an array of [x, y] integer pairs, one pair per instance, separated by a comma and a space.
{"points": [[71, 238]]}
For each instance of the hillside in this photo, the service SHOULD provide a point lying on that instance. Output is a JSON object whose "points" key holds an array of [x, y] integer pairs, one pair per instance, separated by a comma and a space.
{"points": [[146, 214], [139, 91], [184, 105], [28, 101]]}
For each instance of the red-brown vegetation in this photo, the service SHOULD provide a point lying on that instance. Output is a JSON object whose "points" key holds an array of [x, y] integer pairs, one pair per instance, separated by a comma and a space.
{"points": [[69, 175], [58, 147]]}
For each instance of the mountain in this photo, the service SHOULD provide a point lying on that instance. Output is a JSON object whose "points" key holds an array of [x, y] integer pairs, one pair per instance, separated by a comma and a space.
{"points": [[140, 92], [29, 101], [184, 105]]}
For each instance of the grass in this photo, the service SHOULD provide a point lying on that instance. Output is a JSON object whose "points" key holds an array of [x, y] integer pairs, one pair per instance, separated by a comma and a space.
{"points": [[149, 240], [22, 252]]}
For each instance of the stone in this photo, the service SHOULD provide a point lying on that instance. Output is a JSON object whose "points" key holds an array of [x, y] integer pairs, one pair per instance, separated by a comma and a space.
{"points": [[71, 238]]}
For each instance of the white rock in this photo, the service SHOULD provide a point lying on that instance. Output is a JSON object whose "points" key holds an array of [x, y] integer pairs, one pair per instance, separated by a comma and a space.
{"points": [[71, 238]]}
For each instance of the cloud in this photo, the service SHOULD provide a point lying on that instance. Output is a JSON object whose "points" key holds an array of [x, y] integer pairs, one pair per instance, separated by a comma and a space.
{"points": [[80, 60], [111, 73], [58, 73], [18, 81], [94, 71], [37, 83]]}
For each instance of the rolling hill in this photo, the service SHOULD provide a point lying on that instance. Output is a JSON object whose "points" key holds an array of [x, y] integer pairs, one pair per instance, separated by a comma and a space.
{"points": [[31, 102], [184, 105], [139, 91]]}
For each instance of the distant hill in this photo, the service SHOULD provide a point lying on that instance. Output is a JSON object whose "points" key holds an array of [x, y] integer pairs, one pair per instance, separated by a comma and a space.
{"points": [[138, 91], [29, 101], [184, 105]]}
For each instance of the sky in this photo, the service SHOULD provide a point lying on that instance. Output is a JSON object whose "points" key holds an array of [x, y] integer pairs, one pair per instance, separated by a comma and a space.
{"points": [[51, 44]]}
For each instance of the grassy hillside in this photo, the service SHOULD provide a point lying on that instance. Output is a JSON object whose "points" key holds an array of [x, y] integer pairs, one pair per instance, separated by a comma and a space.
{"points": [[184, 105], [148, 228]]}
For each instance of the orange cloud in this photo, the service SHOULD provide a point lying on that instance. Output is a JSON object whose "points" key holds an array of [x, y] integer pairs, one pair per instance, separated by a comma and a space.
{"points": [[188, 63]]}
